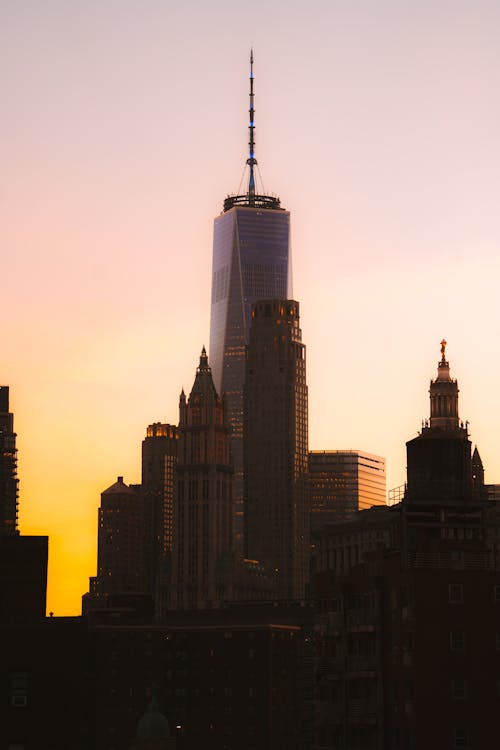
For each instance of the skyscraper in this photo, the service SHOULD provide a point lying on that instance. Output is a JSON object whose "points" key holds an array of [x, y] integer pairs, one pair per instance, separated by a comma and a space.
{"points": [[276, 508], [250, 262], [8, 467], [202, 519], [122, 573], [159, 458]]}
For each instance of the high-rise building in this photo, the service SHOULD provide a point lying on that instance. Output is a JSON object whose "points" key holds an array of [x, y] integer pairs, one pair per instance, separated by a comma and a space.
{"points": [[202, 518], [122, 573], [343, 482], [159, 458], [276, 507], [8, 467], [251, 254], [23, 559]]}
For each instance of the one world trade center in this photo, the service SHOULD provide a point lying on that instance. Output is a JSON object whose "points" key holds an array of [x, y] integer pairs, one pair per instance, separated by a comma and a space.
{"points": [[251, 262]]}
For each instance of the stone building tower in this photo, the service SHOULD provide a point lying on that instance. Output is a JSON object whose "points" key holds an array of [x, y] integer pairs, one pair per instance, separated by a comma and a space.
{"points": [[439, 459], [202, 518]]}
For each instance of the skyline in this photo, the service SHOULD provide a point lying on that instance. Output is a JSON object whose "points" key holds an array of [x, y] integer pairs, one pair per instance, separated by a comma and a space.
{"points": [[126, 128]]}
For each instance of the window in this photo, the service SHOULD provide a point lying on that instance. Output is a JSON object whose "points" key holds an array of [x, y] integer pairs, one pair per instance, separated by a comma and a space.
{"points": [[460, 738], [459, 689], [456, 593], [457, 640]]}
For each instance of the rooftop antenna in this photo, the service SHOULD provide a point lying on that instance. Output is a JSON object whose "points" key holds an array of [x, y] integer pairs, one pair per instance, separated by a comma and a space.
{"points": [[251, 161], [251, 197]]}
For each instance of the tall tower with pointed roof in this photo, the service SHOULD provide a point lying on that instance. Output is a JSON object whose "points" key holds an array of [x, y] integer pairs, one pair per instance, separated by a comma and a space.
{"points": [[251, 261], [439, 460], [202, 517]]}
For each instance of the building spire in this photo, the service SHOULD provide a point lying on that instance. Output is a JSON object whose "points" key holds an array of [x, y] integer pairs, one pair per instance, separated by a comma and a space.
{"points": [[444, 396], [251, 196], [251, 161]]}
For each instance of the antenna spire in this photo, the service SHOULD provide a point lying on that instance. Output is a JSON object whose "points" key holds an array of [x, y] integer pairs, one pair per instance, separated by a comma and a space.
{"points": [[251, 161]]}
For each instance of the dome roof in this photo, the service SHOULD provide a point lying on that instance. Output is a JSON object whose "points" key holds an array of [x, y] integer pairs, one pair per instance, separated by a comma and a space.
{"points": [[153, 725]]}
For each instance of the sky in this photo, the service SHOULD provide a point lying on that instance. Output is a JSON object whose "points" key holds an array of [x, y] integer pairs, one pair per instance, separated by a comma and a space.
{"points": [[123, 128]]}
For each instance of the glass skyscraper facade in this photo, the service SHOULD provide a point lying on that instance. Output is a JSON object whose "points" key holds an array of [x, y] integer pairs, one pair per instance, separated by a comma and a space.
{"points": [[251, 255]]}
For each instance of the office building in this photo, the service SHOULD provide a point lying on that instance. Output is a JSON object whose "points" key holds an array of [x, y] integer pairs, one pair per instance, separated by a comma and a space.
{"points": [[202, 519], [23, 559], [251, 261], [159, 458], [122, 572], [8, 467], [343, 482], [276, 508]]}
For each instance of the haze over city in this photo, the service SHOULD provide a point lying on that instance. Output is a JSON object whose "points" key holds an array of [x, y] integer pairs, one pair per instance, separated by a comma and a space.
{"points": [[125, 127]]}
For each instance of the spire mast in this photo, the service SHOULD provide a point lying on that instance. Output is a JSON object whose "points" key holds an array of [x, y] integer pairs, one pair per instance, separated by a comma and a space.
{"points": [[251, 161]]}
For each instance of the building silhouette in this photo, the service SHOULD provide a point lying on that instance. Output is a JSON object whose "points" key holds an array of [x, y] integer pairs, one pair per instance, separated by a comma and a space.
{"points": [[343, 482], [202, 517], [122, 578], [408, 604], [159, 459], [276, 507], [439, 460], [23, 559], [8, 467], [251, 261]]}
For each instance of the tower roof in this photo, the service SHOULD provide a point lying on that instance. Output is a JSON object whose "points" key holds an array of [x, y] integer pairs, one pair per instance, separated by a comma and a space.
{"points": [[203, 382], [443, 394]]}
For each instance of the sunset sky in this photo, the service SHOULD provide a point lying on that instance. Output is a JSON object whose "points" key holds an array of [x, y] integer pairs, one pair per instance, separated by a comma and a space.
{"points": [[123, 128]]}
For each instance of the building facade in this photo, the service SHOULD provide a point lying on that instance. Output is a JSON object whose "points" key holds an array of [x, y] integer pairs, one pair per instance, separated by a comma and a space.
{"points": [[402, 646], [159, 460], [343, 482], [251, 261], [122, 578], [276, 507], [202, 518], [8, 467]]}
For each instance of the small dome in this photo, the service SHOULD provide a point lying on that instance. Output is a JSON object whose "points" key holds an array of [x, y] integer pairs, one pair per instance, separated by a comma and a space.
{"points": [[153, 725]]}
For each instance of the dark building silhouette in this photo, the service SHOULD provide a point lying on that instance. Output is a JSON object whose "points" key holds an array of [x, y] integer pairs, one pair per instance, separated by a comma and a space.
{"points": [[251, 255], [234, 678], [8, 467], [159, 459], [439, 459], [23, 559], [202, 519], [408, 601], [276, 507], [342, 482], [122, 570]]}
